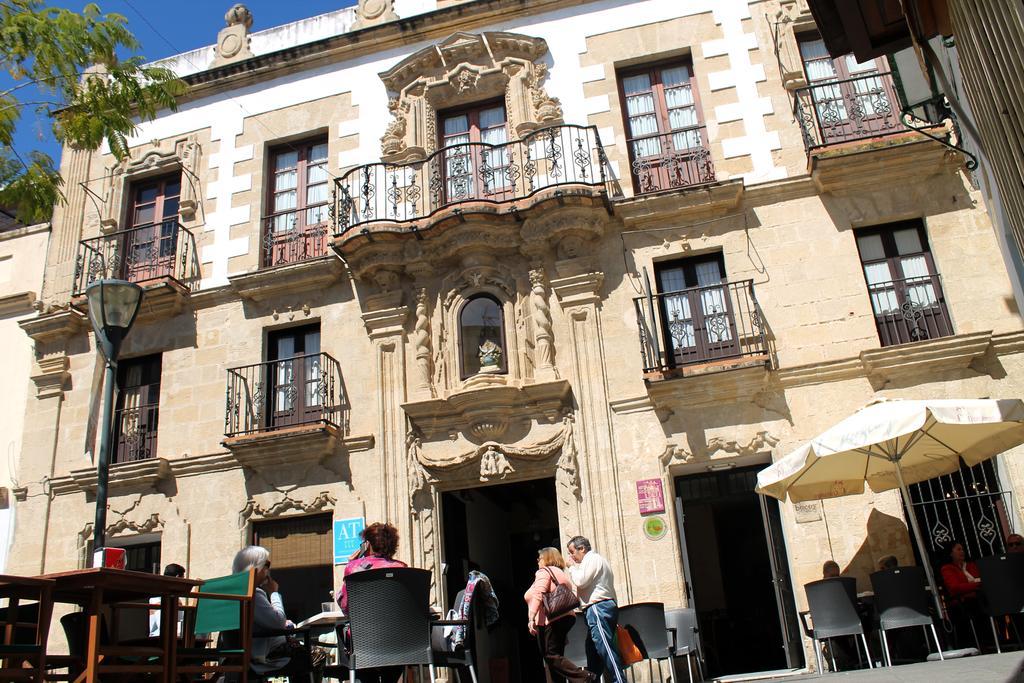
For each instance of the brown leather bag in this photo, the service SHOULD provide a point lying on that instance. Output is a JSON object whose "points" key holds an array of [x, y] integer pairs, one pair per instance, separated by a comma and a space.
{"points": [[560, 601]]}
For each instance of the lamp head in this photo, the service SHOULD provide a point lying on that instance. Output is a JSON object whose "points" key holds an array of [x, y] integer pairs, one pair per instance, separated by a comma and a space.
{"points": [[113, 306]]}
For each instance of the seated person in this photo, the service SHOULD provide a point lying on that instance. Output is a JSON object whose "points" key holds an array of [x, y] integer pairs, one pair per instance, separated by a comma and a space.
{"points": [[962, 582], [961, 578], [282, 655], [178, 572], [380, 543], [830, 570], [888, 562], [1015, 543]]}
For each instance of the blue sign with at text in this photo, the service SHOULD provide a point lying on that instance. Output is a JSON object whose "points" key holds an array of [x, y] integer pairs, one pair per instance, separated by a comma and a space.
{"points": [[346, 538]]}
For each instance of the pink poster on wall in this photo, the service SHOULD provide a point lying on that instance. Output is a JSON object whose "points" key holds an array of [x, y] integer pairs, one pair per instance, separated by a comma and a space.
{"points": [[651, 495]]}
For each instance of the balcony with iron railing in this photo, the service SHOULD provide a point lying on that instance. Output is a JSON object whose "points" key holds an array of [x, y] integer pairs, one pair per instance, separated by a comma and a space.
{"points": [[557, 160], [910, 310], [286, 410], [143, 254], [669, 161], [700, 326], [295, 236], [276, 394], [847, 110]]}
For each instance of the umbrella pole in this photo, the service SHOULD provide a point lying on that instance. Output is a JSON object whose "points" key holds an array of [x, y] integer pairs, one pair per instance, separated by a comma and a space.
{"points": [[919, 538]]}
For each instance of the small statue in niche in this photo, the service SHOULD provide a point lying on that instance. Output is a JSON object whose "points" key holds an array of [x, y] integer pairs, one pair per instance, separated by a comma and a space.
{"points": [[490, 357]]}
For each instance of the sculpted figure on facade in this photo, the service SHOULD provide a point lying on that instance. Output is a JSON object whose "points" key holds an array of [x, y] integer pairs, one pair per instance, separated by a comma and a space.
{"points": [[494, 464]]}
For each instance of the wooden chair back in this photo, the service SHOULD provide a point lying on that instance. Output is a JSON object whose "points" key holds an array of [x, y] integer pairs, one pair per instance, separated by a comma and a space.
{"points": [[26, 627]]}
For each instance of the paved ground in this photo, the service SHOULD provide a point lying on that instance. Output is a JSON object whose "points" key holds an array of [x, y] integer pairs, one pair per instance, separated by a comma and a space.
{"points": [[1004, 668]]}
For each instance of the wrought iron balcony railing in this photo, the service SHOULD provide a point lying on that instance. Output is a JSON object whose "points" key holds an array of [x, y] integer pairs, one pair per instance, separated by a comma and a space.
{"points": [[148, 252], [135, 433], [848, 109], [700, 325], [472, 172], [294, 236], [295, 391], [910, 310], [667, 161]]}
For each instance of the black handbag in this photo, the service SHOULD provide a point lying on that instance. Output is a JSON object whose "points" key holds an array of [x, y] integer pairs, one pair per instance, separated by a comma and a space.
{"points": [[560, 601]]}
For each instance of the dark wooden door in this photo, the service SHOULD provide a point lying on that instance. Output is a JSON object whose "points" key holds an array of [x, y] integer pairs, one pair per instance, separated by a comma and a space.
{"points": [[698, 323], [475, 156], [666, 140], [137, 408], [850, 99], [294, 377], [151, 242]]}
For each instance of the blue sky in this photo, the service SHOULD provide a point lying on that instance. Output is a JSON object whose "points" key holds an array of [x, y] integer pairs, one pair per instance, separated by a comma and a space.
{"points": [[166, 27]]}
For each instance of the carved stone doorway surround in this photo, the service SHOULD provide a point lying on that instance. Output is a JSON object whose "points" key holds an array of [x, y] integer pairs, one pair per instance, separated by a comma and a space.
{"points": [[462, 69], [436, 464]]}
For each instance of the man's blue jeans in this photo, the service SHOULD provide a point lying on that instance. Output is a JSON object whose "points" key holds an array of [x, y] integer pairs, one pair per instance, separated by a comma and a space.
{"points": [[602, 647]]}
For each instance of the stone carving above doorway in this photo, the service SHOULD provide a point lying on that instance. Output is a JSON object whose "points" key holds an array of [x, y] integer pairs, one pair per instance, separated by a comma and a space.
{"points": [[495, 461], [281, 505], [463, 69]]}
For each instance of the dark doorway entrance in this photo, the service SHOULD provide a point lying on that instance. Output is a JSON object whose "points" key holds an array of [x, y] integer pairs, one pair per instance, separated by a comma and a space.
{"points": [[500, 529], [736, 573]]}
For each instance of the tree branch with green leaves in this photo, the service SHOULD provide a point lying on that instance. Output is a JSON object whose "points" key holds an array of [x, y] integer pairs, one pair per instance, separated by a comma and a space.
{"points": [[68, 67]]}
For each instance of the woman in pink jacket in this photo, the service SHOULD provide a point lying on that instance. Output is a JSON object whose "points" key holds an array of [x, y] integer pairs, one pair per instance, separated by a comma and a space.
{"points": [[551, 635]]}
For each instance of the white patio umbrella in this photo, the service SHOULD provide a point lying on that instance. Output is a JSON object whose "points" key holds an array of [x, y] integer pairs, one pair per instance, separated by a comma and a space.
{"points": [[889, 444]]}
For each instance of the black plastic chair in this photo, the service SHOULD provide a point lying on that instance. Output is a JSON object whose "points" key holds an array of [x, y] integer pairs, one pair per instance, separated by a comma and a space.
{"points": [[682, 627], [389, 619], [576, 641], [834, 614], [645, 622], [901, 601], [462, 658], [1002, 585]]}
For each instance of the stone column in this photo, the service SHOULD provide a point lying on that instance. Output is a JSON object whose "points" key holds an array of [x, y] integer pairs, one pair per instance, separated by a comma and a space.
{"points": [[578, 289], [68, 220], [542, 335], [385, 317]]}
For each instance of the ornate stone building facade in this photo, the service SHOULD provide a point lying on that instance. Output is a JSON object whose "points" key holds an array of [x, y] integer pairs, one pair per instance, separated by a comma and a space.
{"points": [[503, 272]]}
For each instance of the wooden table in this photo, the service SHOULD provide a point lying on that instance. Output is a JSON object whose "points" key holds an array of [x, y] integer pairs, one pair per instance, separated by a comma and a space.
{"points": [[91, 589]]}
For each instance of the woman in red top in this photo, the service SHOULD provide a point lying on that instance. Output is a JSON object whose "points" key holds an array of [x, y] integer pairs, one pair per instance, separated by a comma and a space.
{"points": [[960, 577], [551, 635]]}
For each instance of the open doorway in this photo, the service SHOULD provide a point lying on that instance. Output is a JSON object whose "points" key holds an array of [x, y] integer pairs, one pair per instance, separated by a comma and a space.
{"points": [[737, 573], [500, 529]]}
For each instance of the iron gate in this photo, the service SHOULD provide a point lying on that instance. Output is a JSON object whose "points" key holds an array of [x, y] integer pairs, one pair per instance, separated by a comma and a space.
{"points": [[969, 506]]}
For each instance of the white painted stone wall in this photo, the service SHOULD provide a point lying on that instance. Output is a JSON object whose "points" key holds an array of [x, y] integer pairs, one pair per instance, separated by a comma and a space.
{"points": [[565, 30], [22, 259]]}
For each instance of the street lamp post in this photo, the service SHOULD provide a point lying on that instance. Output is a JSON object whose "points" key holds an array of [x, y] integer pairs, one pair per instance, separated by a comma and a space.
{"points": [[113, 305]]}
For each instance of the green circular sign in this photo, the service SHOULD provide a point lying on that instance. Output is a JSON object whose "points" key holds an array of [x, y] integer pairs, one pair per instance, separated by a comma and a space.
{"points": [[655, 528]]}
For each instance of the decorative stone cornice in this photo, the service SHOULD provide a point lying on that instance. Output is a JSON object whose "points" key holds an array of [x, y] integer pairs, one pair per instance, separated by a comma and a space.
{"points": [[682, 205], [713, 383], [945, 353], [14, 304], [385, 316], [1008, 342], [51, 327], [136, 474], [304, 276], [850, 169], [579, 287], [488, 409], [819, 373], [50, 376], [285, 447]]}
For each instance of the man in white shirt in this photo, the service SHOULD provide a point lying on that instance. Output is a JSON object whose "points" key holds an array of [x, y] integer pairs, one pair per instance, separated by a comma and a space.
{"points": [[595, 586]]}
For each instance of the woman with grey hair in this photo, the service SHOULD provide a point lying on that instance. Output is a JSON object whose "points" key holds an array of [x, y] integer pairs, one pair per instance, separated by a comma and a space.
{"points": [[278, 654]]}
